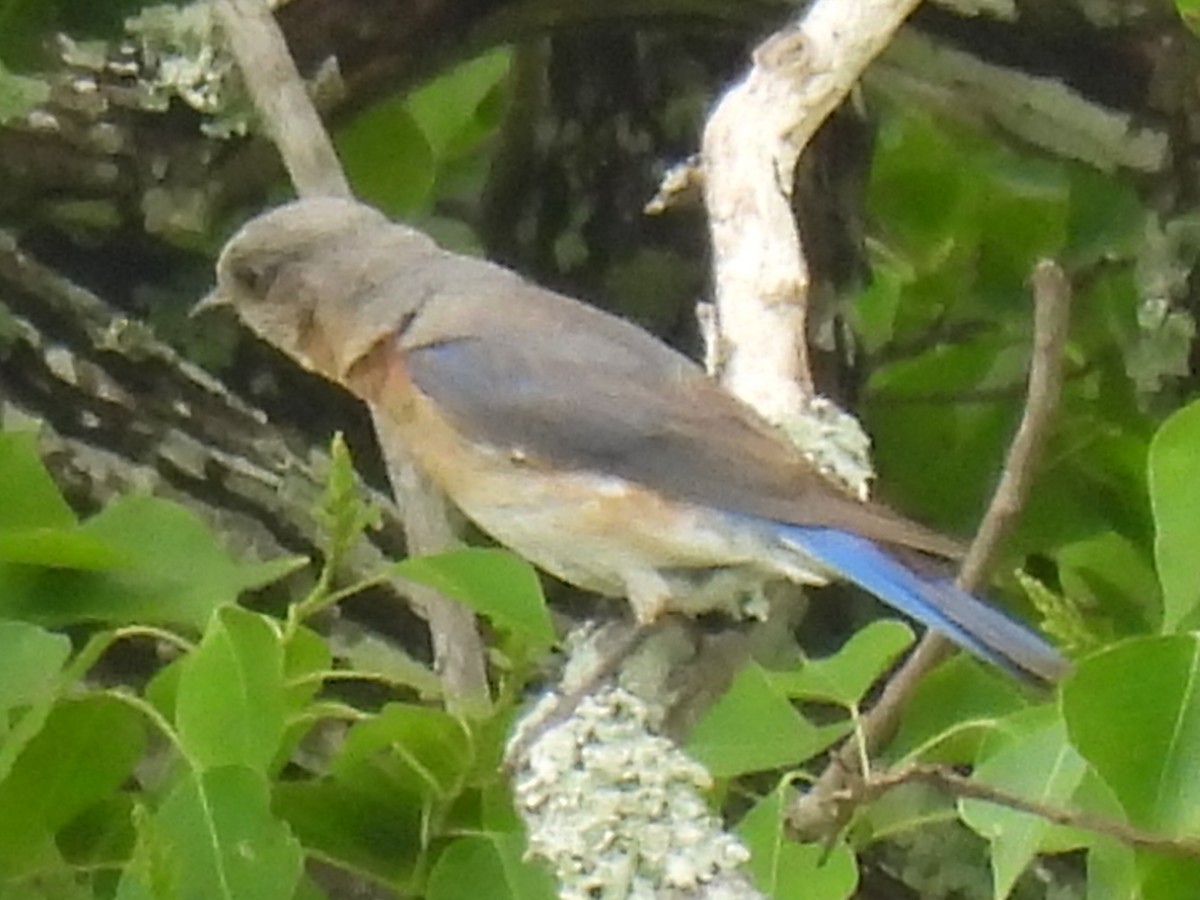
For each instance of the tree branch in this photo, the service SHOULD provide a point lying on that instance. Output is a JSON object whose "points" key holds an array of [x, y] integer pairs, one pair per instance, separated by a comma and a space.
{"points": [[279, 95], [751, 144], [960, 786], [819, 807]]}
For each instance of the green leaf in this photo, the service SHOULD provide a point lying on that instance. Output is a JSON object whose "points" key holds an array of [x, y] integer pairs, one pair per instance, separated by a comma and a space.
{"points": [[1093, 480], [388, 160], [950, 698], [18, 728], [214, 838], [27, 27], [412, 751], [359, 830], [754, 727], [309, 890], [184, 554], [876, 308], [29, 498], [147, 875], [913, 420], [306, 658], [377, 657], [102, 835], [1175, 494], [54, 881], [445, 109], [20, 95], [495, 583], [1166, 877], [229, 706], [1107, 218], [393, 776], [1189, 12], [496, 812], [1111, 870], [306, 653], [845, 677], [786, 870], [904, 809], [1017, 837], [1133, 711], [490, 865], [1104, 570], [163, 688], [1112, 863], [23, 23], [30, 659], [66, 548], [919, 188], [178, 577], [85, 751]]}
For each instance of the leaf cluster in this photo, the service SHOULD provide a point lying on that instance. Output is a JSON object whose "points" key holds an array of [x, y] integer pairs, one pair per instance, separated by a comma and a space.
{"points": [[233, 763]]}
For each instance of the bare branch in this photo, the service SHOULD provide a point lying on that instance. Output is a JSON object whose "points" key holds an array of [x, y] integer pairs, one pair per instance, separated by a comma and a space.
{"points": [[751, 144], [458, 650], [278, 92], [960, 786], [1052, 314], [1052, 302]]}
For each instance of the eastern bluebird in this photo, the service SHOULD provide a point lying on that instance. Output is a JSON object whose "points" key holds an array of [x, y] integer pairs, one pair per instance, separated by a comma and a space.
{"points": [[575, 438]]}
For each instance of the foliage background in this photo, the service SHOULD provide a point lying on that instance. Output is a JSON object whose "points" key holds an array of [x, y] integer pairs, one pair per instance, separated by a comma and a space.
{"points": [[159, 740]]}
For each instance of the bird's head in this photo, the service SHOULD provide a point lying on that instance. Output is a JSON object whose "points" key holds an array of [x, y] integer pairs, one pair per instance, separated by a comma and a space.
{"points": [[290, 274]]}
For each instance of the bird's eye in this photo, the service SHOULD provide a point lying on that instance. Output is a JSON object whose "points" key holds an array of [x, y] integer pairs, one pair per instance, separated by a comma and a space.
{"points": [[255, 276]]}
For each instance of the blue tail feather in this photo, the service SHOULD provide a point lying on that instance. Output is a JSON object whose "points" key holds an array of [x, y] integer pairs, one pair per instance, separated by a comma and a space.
{"points": [[933, 601]]}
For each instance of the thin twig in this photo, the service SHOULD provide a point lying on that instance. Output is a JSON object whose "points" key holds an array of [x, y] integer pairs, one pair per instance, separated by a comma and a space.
{"points": [[1052, 308], [961, 786], [1051, 319]]}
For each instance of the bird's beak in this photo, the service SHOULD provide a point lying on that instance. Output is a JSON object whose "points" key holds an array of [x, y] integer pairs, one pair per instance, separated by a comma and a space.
{"points": [[212, 300]]}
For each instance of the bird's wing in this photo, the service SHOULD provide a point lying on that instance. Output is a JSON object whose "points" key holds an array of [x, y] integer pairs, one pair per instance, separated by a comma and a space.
{"points": [[517, 366]]}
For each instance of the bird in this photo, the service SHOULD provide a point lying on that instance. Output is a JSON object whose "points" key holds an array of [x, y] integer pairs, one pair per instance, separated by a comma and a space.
{"points": [[579, 440]]}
